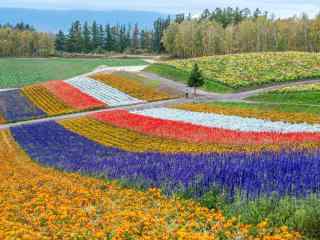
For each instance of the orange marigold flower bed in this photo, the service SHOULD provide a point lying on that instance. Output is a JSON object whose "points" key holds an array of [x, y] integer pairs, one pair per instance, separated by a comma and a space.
{"points": [[41, 203]]}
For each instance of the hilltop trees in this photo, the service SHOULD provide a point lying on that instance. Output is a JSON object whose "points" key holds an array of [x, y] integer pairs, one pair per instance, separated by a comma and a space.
{"points": [[237, 31], [23, 41], [96, 38]]}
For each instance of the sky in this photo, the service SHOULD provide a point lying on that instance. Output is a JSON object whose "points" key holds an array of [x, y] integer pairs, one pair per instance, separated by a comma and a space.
{"points": [[281, 8]]}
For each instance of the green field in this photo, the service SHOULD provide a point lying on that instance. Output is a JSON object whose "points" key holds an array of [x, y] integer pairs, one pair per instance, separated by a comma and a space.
{"points": [[246, 71], [18, 72], [303, 94]]}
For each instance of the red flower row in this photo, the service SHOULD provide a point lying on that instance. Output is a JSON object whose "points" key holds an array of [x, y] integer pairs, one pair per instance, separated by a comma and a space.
{"points": [[199, 134], [72, 96]]}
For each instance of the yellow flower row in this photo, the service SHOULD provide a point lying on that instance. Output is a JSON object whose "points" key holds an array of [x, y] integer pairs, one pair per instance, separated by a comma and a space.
{"points": [[132, 87], [41, 203], [254, 113], [300, 88], [132, 141], [44, 100]]}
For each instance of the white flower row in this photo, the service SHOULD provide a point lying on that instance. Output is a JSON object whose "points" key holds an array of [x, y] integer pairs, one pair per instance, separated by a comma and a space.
{"points": [[227, 122], [104, 93]]}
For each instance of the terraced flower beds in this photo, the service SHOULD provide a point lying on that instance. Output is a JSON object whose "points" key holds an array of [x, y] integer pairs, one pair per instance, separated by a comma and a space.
{"points": [[246, 112], [41, 203], [74, 95], [189, 149], [171, 148], [131, 87], [255, 69], [102, 92]]}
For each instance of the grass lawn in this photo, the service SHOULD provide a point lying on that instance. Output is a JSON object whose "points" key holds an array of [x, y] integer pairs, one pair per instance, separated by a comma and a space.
{"points": [[171, 72], [18, 72], [300, 94], [246, 71], [312, 98]]}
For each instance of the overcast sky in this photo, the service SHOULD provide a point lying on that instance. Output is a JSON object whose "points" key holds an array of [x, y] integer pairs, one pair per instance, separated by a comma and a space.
{"points": [[281, 8]]}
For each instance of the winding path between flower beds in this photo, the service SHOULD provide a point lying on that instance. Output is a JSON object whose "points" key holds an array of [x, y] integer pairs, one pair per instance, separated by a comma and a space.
{"points": [[203, 95]]}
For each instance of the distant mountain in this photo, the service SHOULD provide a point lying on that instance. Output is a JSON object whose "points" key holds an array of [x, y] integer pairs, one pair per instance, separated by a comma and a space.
{"points": [[54, 20]]}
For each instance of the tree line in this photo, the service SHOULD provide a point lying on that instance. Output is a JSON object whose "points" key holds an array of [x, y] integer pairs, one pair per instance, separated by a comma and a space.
{"points": [[221, 31], [226, 31], [22, 40], [97, 38]]}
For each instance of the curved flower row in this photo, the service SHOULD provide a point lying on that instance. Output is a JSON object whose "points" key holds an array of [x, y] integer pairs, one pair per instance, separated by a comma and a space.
{"points": [[132, 141], [196, 133], [72, 96], [227, 122], [255, 174], [102, 92], [275, 116], [46, 101], [14, 106], [133, 88], [40, 203]]}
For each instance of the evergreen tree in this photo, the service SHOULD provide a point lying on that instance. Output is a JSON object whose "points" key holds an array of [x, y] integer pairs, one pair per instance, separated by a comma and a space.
{"points": [[74, 40], [142, 39], [60, 41], [86, 38], [196, 79], [135, 37], [101, 37], [109, 39], [95, 36]]}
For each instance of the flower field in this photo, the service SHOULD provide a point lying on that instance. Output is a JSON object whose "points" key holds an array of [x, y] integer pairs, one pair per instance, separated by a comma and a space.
{"points": [[41, 203], [133, 88], [74, 95], [46, 101], [271, 115], [255, 69], [189, 148], [179, 150]]}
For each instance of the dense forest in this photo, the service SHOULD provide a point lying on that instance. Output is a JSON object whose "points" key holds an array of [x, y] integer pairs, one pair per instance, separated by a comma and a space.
{"points": [[22, 40], [222, 31], [97, 38], [226, 31]]}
